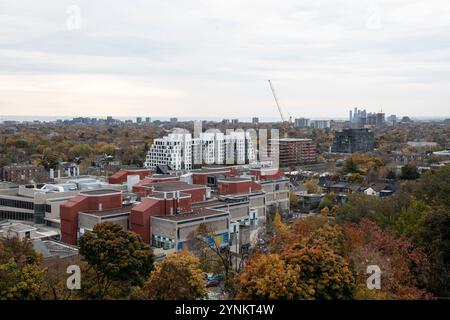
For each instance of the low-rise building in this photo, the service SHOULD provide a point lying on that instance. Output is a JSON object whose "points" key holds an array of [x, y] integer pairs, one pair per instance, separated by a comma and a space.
{"points": [[22, 172]]}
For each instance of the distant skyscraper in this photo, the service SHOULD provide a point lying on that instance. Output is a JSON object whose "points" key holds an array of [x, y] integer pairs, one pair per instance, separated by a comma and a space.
{"points": [[148, 120], [173, 120], [138, 120], [320, 124], [301, 123], [380, 119], [350, 118], [235, 121], [255, 120]]}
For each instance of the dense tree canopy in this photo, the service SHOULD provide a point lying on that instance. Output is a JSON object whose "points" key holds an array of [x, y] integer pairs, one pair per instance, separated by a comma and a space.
{"points": [[21, 275], [307, 265], [177, 277], [115, 255]]}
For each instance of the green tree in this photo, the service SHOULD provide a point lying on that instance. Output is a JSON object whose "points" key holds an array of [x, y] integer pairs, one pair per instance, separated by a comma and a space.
{"points": [[115, 257], [434, 187], [410, 172], [350, 166], [80, 150], [107, 149], [177, 277], [434, 236], [408, 222], [21, 275], [312, 187]]}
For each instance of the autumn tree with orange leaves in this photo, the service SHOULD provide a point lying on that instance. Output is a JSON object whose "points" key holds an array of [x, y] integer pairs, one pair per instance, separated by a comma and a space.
{"points": [[307, 265]]}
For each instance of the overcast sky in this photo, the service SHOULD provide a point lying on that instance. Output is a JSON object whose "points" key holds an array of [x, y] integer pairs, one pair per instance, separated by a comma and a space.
{"points": [[210, 58]]}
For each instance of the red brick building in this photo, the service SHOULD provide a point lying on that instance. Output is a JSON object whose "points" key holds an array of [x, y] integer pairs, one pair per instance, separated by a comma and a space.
{"points": [[236, 185], [87, 200], [163, 199], [203, 175], [121, 176], [293, 151]]}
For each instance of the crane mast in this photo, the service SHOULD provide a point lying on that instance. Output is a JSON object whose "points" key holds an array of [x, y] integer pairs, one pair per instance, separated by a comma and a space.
{"points": [[276, 101], [286, 124]]}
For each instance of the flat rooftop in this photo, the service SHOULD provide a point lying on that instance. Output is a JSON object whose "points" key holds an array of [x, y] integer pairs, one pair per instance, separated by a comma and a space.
{"points": [[198, 213], [99, 192], [162, 196], [236, 179], [169, 186], [211, 170], [108, 212], [163, 176], [19, 227]]}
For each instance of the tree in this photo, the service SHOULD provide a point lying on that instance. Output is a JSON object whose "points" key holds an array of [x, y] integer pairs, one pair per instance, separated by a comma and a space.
{"points": [[434, 236], [383, 211], [403, 266], [116, 256], [391, 175], [356, 178], [269, 277], [312, 187], [307, 265], [21, 276], [214, 256], [325, 211], [293, 199], [80, 150], [327, 201], [350, 166], [177, 277], [106, 149], [434, 187], [408, 222], [410, 172]]}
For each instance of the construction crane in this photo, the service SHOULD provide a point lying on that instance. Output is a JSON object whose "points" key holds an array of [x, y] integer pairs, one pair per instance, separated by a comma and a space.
{"points": [[286, 123]]}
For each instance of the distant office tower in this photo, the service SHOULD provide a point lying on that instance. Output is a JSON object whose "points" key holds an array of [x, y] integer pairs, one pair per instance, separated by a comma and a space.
{"points": [[380, 119], [173, 120], [138, 120], [226, 121], [392, 119], [371, 119], [301, 123], [235, 121], [148, 120], [319, 124], [255, 120], [359, 117], [353, 140], [350, 118], [181, 151], [293, 151]]}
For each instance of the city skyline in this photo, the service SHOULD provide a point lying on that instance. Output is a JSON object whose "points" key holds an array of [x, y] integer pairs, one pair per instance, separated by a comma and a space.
{"points": [[185, 60]]}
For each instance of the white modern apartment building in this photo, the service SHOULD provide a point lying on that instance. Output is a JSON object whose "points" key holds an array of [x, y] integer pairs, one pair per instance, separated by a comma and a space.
{"points": [[182, 151]]}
